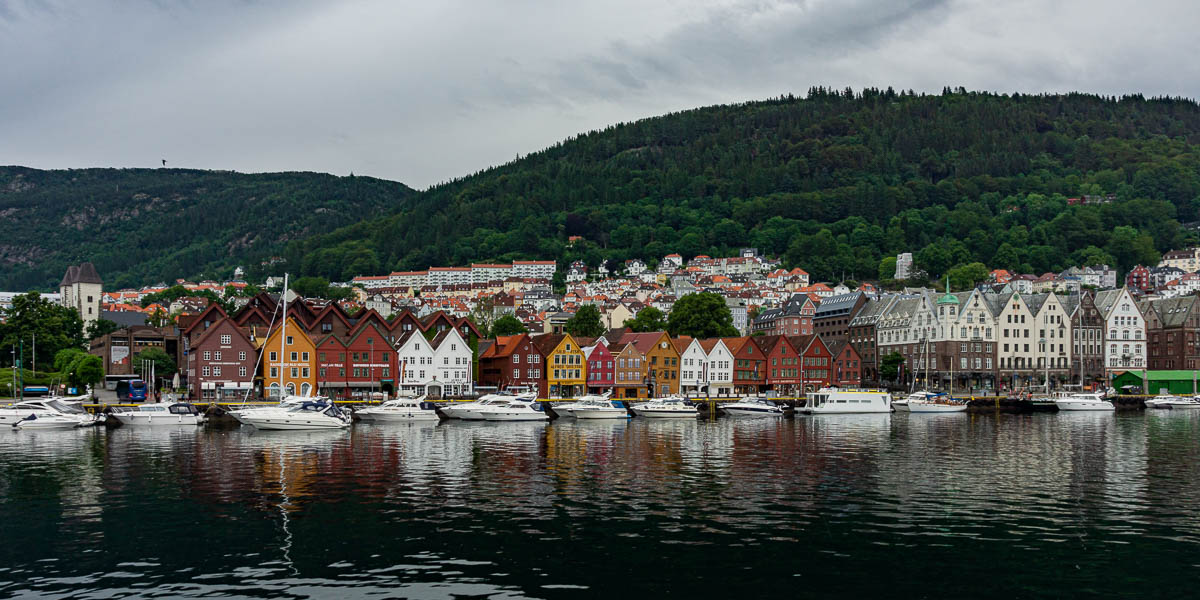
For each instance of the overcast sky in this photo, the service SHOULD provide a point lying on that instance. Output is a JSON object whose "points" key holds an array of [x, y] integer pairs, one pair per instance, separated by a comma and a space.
{"points": [[424, 91]]}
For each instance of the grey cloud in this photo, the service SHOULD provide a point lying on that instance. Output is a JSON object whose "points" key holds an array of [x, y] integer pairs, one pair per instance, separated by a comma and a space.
{"points": [[422, 92]]}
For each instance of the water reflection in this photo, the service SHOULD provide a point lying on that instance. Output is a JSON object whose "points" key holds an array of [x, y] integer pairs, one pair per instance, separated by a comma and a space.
{"points": [[520, 509]]}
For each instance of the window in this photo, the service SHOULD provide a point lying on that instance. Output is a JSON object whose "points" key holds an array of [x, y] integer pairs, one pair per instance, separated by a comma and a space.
{"points": [[304, 356], [242, 355], [204, 371], [304, 372], [241, 371], [217, 355], [516, 359], [207, 355], [289, 340], [226, 339], [274, 372], [216, 371], [295, 372]]}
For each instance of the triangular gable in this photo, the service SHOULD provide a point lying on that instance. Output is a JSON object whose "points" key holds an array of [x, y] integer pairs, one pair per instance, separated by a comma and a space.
{"points": [[214, 313], [366, 326], [437, 319], [405, 316], [300, 310], [331, 312], [252, 315]]}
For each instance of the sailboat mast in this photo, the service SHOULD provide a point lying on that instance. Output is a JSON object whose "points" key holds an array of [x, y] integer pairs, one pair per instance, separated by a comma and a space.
{"points": [[283, 334]]}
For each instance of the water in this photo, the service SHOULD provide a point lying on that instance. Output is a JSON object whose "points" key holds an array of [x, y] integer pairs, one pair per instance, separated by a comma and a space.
{"points": [[908, 506]]}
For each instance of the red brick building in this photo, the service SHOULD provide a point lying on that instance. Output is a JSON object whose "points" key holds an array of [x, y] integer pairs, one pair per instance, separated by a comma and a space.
{"points": [[600, 371], [513, 362], [220, 363], [749, 365]]}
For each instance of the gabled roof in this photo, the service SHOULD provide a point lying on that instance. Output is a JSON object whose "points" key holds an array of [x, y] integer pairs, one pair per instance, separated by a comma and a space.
{"points": [[207, 333], [87, 274], [214, 310], [645, 341], [682, 343]]}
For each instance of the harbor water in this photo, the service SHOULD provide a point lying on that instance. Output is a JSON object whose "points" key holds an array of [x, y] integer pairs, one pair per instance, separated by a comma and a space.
{"points": [[900, 506]]}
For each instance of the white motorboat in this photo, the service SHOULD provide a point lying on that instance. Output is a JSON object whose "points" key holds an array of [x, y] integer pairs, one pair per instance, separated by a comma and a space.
{"points": [[1178, 402], [11, 414], [400, 409], [567, 409], [1083, 401], [315, 414], [753, 407], [513, 410], [665, 408], [284, 403], [178, 413], [1160, 401], [469, 411], [934, 403], [839, 401], [601, 409], [901, 404], [49, 421]]}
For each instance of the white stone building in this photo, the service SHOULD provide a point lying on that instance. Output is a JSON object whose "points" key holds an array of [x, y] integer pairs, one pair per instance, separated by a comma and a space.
{"points": [[81, 289], [1125, 331]]}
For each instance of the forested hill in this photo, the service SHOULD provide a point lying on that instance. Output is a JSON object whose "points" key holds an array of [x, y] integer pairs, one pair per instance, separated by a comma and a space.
{"points": [[141, 226], [832, 182]]}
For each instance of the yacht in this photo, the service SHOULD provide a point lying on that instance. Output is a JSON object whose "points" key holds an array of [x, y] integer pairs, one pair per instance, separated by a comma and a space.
{"points": [[665, 408], [1160, 401], [469, 411], [753, 407], [284, 402], [11, 414], [568, 410], [838, 401], [1174, 402], [1083, 401], [315, 414], [934, 403], [400, 409], [178, 413], [902, 403], [513, 410], [49, 421], [600, 409]]}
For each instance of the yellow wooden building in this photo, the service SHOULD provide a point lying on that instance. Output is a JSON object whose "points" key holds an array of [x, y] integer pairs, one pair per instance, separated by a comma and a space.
{"points": [[566, 366], [293, 363]]}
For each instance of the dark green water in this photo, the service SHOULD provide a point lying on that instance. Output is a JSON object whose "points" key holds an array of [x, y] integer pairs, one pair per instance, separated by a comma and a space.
{"points": [[900, 506]]}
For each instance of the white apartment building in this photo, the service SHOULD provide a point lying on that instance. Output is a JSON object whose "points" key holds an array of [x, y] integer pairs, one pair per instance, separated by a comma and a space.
{"points": [[452, 361], [410, 279], [484, 272], [717, 370], [1125, 331], [537, 269], [447, 276]]}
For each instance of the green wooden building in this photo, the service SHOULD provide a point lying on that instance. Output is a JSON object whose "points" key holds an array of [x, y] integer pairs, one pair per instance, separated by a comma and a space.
{"points": [[1174, 382]]}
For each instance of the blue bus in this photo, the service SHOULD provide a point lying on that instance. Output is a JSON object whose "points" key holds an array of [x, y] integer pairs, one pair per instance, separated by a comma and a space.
{"points": [[137, 390]]}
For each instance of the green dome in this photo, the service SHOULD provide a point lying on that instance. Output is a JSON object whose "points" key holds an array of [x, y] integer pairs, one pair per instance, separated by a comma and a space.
{"points": [[948, 299]]}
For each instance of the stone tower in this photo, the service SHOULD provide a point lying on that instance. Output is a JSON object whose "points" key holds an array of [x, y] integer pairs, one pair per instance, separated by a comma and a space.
{"points": [[80, 289]]}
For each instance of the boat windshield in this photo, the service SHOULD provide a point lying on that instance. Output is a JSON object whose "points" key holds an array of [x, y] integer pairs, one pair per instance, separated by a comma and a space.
{"points": [[64, 407]]}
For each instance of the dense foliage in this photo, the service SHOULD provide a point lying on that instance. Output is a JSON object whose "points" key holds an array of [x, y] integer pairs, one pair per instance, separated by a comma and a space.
{"points": [[834, 183], [701, 316], [55, 328], [585, 322], [647, 319], [144, 226], [507, 325]]}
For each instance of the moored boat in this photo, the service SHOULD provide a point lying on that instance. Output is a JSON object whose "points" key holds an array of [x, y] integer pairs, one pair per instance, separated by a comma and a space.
{"points": [[1084, 401], [1159, 401], [934, 403], [513, 410], [665, 408], [49, 421], [178, 413], [839, 401], [601, 409], [13, 413], [753, 407], [317, 414], [469, 411], [399, 410]]}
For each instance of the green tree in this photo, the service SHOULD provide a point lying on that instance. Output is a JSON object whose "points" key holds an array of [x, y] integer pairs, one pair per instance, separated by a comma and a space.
{"points": [[164, 364], [889, 366], [56, 327], [79, 367], [647, 319], [966, 277], [701, 316], [100, 328], [483, 314], [585, 323], [887, 268], [507, 325]]}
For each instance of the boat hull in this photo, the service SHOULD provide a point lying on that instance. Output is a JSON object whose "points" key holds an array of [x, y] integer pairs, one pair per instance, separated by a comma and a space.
{"points": [[936, 408], [1182, 405], [751, 412], [1082, 406], [900, 406], [399, 417], [515, 416], [614, 413], [279, 424], [134, 419], [665, 414], [48, 423]]}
